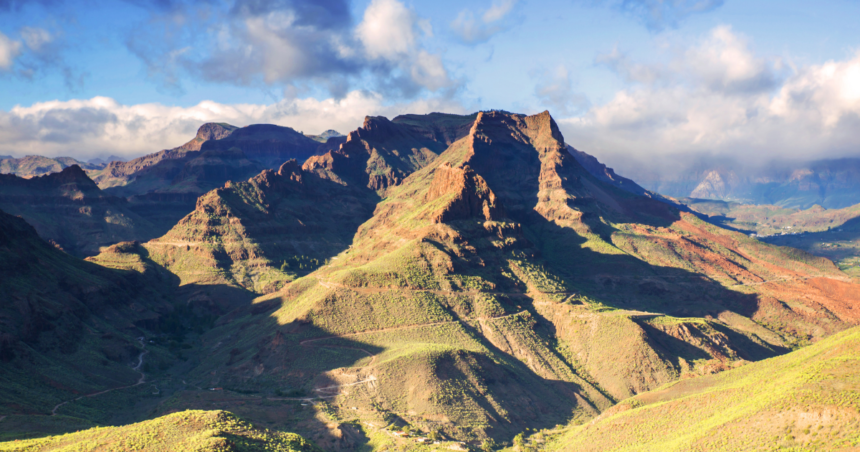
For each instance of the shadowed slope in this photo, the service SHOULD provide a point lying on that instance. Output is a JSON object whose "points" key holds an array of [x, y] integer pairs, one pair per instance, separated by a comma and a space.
{"points": [[67, 326], [262, 233], [70, 210]]}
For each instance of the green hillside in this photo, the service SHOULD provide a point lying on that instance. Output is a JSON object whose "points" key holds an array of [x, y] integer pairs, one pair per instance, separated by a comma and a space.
{"points": [[808, 399], [199, 431]]}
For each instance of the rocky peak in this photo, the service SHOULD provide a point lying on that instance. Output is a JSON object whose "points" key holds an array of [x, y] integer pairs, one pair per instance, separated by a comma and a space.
{"points": [[206, 132], [472, 197], [290, 167]]}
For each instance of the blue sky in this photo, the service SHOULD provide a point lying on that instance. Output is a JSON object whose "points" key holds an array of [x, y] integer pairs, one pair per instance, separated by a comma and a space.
{"points": [[627, 80]]}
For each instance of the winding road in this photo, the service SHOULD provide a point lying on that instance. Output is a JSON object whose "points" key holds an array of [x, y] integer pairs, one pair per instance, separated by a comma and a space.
{"points": [[136, 368]]}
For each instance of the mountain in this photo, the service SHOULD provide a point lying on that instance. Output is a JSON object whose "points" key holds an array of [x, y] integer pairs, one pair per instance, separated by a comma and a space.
{"points": [[119, 173], [805, 400], [833, 184], [203, 431], [36, 165], [164, 187], [383, 152], [69, 209], [265, 232], [69, 327], [497, 286], [324, 137], [268, 144], [106, 160]]}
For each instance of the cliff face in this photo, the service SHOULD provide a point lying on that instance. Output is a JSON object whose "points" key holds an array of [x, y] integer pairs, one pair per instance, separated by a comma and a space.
{"points": [[69, 209]]}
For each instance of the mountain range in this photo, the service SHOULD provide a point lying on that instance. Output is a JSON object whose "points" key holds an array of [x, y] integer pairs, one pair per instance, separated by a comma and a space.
{"points": [[470, 280], [833, 184]]}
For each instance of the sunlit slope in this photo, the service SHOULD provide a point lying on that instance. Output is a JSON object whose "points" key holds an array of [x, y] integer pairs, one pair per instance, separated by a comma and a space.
{"points": [[501, 287], [200, 431], [808, 399]]}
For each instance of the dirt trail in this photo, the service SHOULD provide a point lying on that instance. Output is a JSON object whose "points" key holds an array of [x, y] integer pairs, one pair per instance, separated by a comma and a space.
{"points": [[136, 368], [791, 279]]}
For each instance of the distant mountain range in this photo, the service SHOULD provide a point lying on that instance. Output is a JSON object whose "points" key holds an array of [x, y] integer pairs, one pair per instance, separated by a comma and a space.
{"points": [[832, 184], [36, 165]]}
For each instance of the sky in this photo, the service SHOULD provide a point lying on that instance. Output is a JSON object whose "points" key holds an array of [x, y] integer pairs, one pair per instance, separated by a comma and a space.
{"points": [[638, 83]]}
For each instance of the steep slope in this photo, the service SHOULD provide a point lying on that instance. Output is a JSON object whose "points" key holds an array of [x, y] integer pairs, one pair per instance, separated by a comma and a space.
{"points": [[68, 327], [262, 233], [37, 165], [501, 286], [70, 210], [265, 232], [382, 153], [604, 173], [805, 400], [203, 431]]}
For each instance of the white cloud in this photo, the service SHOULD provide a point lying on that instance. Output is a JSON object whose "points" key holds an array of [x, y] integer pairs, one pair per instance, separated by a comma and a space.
{"points": [[388, 29], [474, 30], [391, 32], [100, 126], [718, 98], [9, 49]]}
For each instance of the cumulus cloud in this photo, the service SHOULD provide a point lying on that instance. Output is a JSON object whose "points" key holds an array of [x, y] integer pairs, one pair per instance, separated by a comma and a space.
{"points": [[723, 101], [474, 28], [9, 50], [388, 29], [289, 43], [100, 126]]}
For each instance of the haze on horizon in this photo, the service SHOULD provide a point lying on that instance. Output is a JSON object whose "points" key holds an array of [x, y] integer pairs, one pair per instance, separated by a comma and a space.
{"points": [[640, 84]]}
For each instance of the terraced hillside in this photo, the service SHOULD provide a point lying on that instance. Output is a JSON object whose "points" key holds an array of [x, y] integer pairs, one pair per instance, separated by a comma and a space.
{"points": [[805, 400], [70, 210], [202, 431], [500, 286]]}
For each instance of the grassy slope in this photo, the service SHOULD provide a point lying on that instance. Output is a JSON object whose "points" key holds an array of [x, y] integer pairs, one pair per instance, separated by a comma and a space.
{"points": [[806, 400], [203, 431]]}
